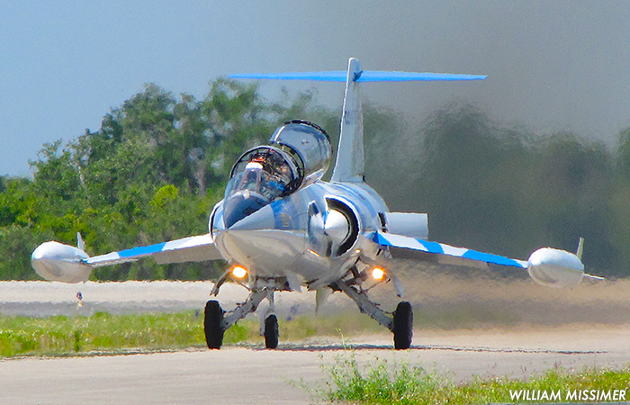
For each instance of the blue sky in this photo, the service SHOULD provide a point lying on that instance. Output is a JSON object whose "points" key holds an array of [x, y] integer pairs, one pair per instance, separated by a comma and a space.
{"points": [[552, 65]]}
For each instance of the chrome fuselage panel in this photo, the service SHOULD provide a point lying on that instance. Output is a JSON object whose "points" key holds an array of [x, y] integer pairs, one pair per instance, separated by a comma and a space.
{"points": [[286, 238]]}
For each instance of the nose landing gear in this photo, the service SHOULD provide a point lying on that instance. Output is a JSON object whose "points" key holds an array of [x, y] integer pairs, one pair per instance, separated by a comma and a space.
{"points": [[271, 332], [213, 325], [217, 321]]}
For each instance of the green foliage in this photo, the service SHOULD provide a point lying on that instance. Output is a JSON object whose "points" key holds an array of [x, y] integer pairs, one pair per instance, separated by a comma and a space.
{"points": [[16, 245], [151, 173], [378, 383], [62, 335]]}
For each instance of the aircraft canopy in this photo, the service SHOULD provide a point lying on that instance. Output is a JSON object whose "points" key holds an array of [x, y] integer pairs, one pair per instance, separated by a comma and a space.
{"points": [[262, 175]]}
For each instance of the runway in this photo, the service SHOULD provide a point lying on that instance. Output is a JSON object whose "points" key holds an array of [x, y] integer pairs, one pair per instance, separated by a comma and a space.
{"points": [[465, 327], [237, 375]]}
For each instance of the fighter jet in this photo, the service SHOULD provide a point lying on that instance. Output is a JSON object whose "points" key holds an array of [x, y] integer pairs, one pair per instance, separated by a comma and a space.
{"points": [[281, 227]]}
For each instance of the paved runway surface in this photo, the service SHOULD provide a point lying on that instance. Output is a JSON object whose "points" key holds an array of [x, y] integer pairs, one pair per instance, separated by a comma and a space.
{"points": [[236, 375], [539, 329]]}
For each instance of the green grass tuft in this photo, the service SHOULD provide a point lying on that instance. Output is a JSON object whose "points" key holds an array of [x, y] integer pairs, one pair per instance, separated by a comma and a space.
{"points": [[61, 335], [381, 382]]}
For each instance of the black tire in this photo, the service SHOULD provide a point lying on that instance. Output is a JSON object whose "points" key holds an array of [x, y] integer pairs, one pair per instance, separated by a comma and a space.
{"points": [[403, 326], [213, 324], [271, 332]]}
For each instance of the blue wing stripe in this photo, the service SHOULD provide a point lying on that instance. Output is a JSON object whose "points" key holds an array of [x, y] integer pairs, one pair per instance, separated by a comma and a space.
{"points": [[141, 251], [404, 242], [431, 247], [490, 258], [193, 248]]}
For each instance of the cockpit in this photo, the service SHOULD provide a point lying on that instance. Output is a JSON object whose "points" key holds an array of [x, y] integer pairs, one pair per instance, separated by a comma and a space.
{"points": [[264, 170], [298, 156], [259, 177]]}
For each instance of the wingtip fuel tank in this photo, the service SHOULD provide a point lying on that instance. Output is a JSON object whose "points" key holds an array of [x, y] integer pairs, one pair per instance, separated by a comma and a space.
{"points": [[555, 268], [55, 261]]}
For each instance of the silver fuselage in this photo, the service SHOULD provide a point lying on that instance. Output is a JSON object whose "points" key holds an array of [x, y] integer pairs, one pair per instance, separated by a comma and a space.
{"points": [[291, 237]]}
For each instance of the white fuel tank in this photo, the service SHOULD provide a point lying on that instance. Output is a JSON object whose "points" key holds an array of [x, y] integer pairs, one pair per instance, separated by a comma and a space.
{"points": [[55, 261], [555, 268]]}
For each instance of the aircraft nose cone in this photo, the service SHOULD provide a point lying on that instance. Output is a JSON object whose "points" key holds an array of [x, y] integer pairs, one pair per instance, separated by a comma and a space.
{"points": [[241, 205]]}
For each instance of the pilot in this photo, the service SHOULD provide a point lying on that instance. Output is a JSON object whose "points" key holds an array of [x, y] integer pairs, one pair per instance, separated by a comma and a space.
{"points": [[276, 185], [274, 176], [284, 170], [252, 174]]}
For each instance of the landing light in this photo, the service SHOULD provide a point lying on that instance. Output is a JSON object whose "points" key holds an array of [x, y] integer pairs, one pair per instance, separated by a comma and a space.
{"points": [[378, 273], [239, 272]]}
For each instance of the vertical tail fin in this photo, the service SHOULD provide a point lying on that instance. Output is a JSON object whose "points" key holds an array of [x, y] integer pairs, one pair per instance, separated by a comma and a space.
{"points": [[350, 157]]}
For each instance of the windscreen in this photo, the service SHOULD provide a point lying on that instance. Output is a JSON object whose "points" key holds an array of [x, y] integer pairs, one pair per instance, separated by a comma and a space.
{"points": [[264, 170], [259, 177]]}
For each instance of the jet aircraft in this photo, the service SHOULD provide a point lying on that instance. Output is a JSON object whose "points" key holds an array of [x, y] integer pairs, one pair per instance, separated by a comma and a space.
{"points": [[281, 227]]}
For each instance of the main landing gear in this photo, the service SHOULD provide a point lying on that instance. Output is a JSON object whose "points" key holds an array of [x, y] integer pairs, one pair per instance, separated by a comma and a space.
{"points": [[401, 324], [271, 332], [217, 321]]}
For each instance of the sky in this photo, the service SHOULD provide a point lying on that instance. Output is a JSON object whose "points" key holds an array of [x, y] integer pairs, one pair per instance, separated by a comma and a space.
{"points": [[552, 65]]}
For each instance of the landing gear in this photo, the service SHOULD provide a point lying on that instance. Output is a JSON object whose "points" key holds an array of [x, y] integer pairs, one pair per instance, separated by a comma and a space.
{"points": [[213, 325], [403, 326], [216, 321], [402, 322], [271, 332]]}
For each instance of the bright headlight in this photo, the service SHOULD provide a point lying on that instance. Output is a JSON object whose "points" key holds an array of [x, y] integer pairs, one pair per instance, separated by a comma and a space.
{"points": [[378, 273], [239, 272]]}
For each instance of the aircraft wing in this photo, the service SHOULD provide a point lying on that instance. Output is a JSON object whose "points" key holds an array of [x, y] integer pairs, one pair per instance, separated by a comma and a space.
{"points": [[404, 247], [192, 249]]}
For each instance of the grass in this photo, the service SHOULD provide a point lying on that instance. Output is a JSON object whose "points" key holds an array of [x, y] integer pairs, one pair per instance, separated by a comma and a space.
{"points": [[62, 335], [380, 382]]}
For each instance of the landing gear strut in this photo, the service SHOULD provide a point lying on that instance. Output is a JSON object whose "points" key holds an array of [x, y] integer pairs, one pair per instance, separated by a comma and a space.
{"points": [[217, 321], [401, 324]]}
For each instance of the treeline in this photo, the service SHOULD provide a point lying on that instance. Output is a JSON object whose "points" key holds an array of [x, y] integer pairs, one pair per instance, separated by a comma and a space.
{"points": [[158, 164], [152, 172]]}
